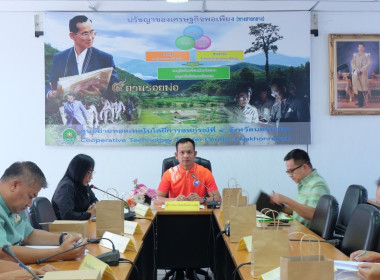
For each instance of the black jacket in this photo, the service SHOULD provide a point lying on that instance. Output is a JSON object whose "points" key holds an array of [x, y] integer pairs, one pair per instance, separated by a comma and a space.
{"points": [[70, 201]]}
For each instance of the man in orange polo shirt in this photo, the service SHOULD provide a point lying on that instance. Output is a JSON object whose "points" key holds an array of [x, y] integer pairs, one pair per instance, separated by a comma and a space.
{"points": [[187, 180]]}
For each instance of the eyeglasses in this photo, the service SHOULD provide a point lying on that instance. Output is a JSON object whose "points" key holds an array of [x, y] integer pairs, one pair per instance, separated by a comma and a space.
{"points": [[91, 172], [87, 34], [291, 171], [243, 98]]}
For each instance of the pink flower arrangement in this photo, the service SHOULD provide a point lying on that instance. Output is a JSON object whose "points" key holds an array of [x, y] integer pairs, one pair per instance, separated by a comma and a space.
{"points": [[140, 194]]}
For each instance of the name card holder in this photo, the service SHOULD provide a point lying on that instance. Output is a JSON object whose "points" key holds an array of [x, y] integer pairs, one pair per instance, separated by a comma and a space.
{"points": [[122, 243], [182, 205], [271, 275], [143, 210], [132, 227], [91, 262], [73, 275], [245, 244]]}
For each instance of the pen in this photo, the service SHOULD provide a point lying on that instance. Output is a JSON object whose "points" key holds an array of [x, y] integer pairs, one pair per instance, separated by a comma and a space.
{"points": [[75, 245], [23, 266], [361, 254]]}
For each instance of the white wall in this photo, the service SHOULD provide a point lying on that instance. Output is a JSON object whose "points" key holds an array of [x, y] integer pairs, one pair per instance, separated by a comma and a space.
{"points": [[344, 148]]}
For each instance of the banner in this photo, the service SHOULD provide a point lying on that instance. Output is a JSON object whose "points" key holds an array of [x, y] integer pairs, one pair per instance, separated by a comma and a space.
{"points": [[133, 79]]}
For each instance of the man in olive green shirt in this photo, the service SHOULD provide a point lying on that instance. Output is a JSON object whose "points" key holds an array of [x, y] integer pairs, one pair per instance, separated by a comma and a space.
{"points": [[311, 186], [20, 183]]}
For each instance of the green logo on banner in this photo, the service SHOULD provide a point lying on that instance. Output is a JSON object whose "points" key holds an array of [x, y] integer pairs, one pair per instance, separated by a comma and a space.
{"points": [[69, 135]]}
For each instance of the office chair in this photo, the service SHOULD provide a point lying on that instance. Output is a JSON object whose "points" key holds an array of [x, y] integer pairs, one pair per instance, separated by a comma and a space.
{"points": [[325, 216], [355, 195], [172, 161], [190, 273], [41, 212], [363, 230]]}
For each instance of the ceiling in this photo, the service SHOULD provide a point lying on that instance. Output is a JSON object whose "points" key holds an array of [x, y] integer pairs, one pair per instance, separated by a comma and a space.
{"points": [[192, 5]]}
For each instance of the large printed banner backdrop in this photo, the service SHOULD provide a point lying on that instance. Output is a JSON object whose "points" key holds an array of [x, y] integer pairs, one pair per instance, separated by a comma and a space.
{"points": [[152, 78]]}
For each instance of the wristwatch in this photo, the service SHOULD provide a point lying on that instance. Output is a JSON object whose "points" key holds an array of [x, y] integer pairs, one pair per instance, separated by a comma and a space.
{"points": [[61, 237], [205, 199]]}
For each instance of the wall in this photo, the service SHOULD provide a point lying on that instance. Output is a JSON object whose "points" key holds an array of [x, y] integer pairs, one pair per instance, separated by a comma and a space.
{"points": [[344, 148]]}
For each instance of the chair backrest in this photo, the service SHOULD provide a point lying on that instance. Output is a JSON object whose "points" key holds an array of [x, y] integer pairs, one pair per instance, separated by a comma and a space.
{"points": [[41, 212], [355, 194], [172, 161], [325, 216], [363, 230]]}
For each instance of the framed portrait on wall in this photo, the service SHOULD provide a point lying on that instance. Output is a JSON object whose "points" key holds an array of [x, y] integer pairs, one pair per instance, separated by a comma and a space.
{"points": [[354, 74]]}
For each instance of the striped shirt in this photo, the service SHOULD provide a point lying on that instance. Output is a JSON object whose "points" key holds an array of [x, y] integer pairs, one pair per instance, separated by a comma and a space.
{"points": [[310, 189]]}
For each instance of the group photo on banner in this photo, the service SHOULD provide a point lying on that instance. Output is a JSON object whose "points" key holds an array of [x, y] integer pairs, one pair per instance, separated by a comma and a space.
{"points": [[135, 79]]}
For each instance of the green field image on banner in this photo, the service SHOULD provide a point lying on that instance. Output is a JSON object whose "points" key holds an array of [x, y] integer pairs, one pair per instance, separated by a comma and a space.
{"points": [[193, 73]]}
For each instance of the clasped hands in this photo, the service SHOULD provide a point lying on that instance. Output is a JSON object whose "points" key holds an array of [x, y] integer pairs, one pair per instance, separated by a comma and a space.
{"points": [[190, 197], [92, 210]]}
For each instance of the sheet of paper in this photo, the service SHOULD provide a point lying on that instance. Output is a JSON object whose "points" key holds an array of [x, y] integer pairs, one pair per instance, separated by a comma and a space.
{"points": [[346, 275], [346, 265], [41, 247]]}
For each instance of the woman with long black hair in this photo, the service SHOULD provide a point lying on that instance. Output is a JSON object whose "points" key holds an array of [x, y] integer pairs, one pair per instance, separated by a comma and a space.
{"points": [[73, 199]]}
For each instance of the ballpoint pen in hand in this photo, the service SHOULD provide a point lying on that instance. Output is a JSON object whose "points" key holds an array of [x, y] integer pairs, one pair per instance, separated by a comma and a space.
{"points": [[361, 254]]}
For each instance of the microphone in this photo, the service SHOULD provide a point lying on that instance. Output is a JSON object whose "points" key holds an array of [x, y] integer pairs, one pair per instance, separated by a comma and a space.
{"points": [[334, 242], [111, 258], [130, 216], [210, 204], [39, 261], [7, 249]]}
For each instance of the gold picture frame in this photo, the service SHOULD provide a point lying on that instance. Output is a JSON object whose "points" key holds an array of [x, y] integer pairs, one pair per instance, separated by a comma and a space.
{"points": [[354, 74]]}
